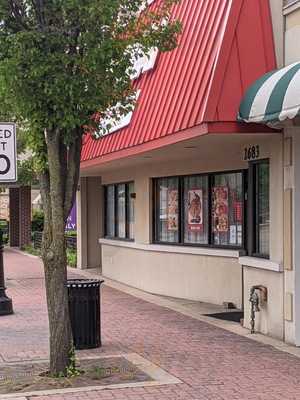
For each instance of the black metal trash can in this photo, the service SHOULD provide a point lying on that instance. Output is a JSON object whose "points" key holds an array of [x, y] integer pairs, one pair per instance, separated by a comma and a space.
{"points": [[84, 306]]}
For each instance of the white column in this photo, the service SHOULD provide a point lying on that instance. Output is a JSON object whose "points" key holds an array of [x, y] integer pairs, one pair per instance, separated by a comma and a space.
{"points": [[296, 232]]}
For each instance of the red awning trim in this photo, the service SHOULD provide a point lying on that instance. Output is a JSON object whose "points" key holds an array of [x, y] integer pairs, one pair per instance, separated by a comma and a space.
{"points": [[196, 131]]}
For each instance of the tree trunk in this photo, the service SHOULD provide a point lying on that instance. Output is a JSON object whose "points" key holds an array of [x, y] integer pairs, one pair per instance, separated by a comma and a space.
{"points": [[58, 309], [55, 267], [54, 256]]}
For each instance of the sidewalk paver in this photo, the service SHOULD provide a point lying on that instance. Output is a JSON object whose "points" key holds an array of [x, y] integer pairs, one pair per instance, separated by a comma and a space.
{"points": [[212, 363]]}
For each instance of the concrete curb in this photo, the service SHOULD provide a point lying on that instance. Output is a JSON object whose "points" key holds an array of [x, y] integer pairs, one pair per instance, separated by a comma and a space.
{"points": [[160, 377]]}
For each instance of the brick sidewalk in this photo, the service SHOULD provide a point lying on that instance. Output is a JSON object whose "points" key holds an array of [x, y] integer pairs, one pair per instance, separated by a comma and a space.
{"points": [[213, 364]]}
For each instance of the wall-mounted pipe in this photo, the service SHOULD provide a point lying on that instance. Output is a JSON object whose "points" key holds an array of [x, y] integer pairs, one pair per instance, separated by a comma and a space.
{"points": [[258, 293]]}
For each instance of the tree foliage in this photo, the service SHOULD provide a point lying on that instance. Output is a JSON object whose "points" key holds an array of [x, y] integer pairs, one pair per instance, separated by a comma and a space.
{"points": [[63, 60], [61, 63], [27, 175]]}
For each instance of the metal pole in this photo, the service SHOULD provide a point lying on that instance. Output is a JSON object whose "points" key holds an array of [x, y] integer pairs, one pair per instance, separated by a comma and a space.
{"points": [[6, 306]]}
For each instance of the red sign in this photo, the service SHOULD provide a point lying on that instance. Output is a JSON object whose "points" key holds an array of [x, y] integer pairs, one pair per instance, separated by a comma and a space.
{"points": [[195, 210], [220, 209]]}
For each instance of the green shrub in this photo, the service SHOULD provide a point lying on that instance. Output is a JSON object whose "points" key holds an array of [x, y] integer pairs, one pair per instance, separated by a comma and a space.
{"points": [[37, 223], [31, 250], [71, 233], [5, 238], [71, 258], [4, 226]]}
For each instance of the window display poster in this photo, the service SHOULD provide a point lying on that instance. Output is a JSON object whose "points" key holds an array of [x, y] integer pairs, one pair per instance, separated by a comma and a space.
{"points": [[220, 209], [195, 210], [238, 211], [172, 210]]}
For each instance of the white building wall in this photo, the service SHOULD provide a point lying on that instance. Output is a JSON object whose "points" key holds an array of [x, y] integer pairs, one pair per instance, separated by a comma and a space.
{"points": [[292, 34]]}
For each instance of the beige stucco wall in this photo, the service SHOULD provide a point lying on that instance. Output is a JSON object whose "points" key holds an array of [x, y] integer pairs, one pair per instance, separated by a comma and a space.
{"points": [[208, 277], [270, 318], [197, 277], [292, 34], [204, 278]]}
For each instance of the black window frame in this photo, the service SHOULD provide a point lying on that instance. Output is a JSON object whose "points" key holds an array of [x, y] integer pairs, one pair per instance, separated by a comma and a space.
{"points": [[210, 244], [127, 212], [252, 210]]}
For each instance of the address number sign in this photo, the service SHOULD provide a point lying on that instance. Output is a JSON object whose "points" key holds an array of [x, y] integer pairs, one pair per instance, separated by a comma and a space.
{"points": [[251, 153]]}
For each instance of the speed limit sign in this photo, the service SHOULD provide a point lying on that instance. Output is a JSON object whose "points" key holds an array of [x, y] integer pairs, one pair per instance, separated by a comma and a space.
{"points": [[8, 152]]}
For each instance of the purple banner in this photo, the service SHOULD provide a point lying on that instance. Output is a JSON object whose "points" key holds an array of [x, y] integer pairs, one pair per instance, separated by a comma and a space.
{"points": [[72, 221]]}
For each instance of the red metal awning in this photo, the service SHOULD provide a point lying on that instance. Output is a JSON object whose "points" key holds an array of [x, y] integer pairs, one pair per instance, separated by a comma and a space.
{"points": [[197, 88]]}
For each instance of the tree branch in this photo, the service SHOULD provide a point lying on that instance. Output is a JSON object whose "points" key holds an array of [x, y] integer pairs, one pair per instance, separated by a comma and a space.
{"points": [[38, 6], [73, 172], [18, 13], [44, 180], [53, 139], [63, 155]]}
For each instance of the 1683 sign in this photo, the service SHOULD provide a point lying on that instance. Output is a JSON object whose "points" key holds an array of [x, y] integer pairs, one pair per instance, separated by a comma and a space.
{"points": [[251, 153]]}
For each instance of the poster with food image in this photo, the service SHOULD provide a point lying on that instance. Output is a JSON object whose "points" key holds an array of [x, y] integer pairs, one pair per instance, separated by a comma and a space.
{"points": [[220, 209], [172, 210], [195, 210]]}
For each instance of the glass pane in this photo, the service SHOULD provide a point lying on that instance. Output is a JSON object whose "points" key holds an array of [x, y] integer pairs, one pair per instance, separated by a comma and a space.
{"points": [[196, 209], [110, 211], [121, 211], [227, 209], [168, 217], [263, 207], [131, 210]]}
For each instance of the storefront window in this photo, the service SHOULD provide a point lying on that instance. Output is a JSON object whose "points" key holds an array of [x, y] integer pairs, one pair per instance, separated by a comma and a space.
{"points": [[259, 209], [262, 208], [119, 211], [196, 209], [227, 209], [168, 211], [131, 209], [110, 211], [200, 210]]}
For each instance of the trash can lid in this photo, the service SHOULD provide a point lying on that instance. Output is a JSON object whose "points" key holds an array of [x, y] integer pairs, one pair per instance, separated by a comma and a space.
{"points": [[83, 283]]}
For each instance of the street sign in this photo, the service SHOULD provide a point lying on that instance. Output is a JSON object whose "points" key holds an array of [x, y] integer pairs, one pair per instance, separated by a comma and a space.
{"points": [[8, 152]]}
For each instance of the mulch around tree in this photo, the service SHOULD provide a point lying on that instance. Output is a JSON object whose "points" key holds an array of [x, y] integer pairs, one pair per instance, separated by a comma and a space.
{"points": [[18, 378]]}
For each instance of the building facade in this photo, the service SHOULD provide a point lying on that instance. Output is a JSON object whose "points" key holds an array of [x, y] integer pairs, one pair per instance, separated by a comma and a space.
{"points": [[184, 201], [291, 188]]}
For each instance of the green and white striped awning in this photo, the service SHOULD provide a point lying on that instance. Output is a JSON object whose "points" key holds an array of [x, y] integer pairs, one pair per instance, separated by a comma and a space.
{"points": [[273, 98]]}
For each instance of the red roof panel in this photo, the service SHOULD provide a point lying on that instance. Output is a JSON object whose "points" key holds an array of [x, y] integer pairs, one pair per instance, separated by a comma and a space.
{"points": [[191, 85]]}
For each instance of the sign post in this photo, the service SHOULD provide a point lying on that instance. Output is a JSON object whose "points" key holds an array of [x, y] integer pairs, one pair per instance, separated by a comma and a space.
{"points": [[8, 174], [6, 306]]}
